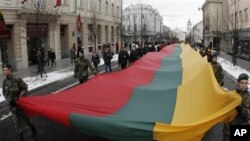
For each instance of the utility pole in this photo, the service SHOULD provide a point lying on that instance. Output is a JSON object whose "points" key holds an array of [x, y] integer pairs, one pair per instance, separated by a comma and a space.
{"points": [[141, 25]]}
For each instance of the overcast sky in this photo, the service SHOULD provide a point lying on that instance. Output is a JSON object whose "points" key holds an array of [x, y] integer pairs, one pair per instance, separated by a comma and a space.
{"points": [[175, 13]]}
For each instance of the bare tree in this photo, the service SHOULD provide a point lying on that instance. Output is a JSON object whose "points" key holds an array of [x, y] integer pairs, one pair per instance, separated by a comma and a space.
{"points": [[93, 29], [234, 22]]}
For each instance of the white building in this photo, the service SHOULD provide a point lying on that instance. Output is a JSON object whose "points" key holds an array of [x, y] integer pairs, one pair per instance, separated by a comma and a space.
{"points": [[197, 32], [213, 21], [181, 35], [141, 21]]}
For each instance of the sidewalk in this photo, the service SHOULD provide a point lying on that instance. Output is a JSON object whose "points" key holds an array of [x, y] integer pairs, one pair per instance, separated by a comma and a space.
{"points": [[62, 71], [240, 62], [32, 70]]}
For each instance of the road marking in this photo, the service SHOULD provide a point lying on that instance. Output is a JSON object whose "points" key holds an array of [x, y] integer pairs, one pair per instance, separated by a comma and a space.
{"points": [[5, 116]]}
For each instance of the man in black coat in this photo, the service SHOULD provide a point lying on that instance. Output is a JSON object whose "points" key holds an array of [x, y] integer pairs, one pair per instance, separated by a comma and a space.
{"points": [[123, 58]]}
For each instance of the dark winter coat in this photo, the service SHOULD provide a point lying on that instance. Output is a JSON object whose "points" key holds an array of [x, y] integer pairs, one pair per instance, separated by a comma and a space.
{"points": [[107, 57], [123, 57]]}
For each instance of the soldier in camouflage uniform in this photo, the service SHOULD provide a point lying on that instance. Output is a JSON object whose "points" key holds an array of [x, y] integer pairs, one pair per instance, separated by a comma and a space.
{"points": [[14, 88], [81, 68], [243, 117], [218, 71]]}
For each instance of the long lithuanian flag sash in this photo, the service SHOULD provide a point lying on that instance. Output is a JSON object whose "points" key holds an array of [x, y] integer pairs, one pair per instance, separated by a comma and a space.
{"points": [[171, 95]]}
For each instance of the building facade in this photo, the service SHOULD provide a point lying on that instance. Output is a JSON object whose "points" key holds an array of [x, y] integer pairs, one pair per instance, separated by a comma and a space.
{"points": [[178, 33], [40, 24], [238, 12], [213, 21], [141, 23], [197, 32]]}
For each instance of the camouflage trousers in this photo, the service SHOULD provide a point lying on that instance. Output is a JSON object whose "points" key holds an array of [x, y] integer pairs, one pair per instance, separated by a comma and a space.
{"points": [[226, 132], [19, 118], [237, 121]]}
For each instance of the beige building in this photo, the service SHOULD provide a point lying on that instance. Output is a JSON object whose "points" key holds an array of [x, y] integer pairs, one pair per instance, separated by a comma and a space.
{"points": [[237, 13], [213, 23], [38, 24]]}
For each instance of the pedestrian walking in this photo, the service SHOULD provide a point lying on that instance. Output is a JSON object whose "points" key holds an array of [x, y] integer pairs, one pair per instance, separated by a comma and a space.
{"points": [[107, 57], [40, 63], [81, 68], [14, 88], [49, 56], [123, 58], [53, 57], [243, 117], [218, 71], [95, 60], [133, 56], [73, 53]]}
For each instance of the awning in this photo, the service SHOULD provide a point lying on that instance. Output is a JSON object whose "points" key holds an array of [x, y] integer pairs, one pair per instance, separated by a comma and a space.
{"points": [[5, 34]]}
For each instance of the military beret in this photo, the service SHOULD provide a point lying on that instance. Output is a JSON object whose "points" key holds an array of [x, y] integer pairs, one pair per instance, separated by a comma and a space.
{"points": [[243, 76], [7, 66]]}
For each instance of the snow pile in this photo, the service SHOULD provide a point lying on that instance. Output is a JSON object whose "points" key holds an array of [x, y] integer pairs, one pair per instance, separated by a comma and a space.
{"points": [[36, 82]]}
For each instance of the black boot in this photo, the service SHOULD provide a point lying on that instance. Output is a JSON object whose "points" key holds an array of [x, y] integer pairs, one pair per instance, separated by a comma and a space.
{"points": [[21, 137], [33, 130]]}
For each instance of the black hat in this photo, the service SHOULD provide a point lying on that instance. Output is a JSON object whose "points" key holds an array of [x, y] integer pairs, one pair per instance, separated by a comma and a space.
{"points": [[243, 76], [7, 66]]}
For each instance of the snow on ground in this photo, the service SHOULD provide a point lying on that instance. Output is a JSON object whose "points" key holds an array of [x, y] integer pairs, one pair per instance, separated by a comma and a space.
{"points": [[235, 71], [36, 82]]}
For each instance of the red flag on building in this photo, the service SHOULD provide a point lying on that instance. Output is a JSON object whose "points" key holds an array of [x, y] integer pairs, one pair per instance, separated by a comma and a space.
{"points": [[58, 3], [2, 22], [24, 1], [79, 23]]}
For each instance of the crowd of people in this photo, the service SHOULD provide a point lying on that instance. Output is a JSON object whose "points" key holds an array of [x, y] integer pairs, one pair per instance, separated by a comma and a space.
{"points": [[243, 116], [14, 87]]}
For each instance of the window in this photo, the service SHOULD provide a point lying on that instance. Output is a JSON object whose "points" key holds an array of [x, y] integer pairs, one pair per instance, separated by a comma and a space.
{"points": [[8, 2], [99, 34], [240, 16], [99, 5], [106, 33], [236, 17], [79, 3], [64, 2], [246, 14], [135, 19], [90, 5], [107, 7], [38, 3], [118, 11], [90, 35], [112, 34], [117, 34], [113, 10]]}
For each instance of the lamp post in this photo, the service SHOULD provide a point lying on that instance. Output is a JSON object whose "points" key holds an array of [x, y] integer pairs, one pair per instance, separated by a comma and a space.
{"points": [[141, 24]]}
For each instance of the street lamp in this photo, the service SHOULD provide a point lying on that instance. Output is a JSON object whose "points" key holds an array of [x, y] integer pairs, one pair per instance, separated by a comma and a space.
{"points": [[141, 23]]}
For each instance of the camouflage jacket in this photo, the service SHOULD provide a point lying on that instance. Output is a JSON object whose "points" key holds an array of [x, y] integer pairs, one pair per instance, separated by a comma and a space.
{"points": [[13, 88], [81, 68], [218, 72], [245, 107]]}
